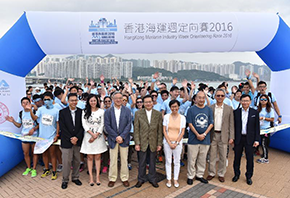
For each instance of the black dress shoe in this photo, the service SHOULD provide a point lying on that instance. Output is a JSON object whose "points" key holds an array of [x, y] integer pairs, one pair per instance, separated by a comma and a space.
{"points": [[139, 184], [64, 185], [154, 184], [202, 180], [249, 181], [77, 182], [189, 181], [235, 178]]}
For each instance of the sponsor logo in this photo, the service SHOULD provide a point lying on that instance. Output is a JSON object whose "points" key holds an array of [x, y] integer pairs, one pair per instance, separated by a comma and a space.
{"points": [[4, 88], [4, 111], [103, 32]]}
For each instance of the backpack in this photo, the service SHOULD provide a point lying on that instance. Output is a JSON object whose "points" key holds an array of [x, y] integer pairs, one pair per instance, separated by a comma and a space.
{"points": [[259, 94], [20, 115]]}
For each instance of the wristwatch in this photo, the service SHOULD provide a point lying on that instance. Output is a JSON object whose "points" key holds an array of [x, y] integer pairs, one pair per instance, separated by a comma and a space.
{"points": [[204, 134], [280, 116]]}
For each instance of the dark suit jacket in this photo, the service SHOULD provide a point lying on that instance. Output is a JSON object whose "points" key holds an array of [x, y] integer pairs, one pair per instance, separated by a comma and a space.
{"points": [[228, 131], [146, 134], [124, 126], [68, 129], [253, 126]]}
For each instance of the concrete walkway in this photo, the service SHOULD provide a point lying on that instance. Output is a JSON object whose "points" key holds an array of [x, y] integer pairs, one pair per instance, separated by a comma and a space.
{"points": [[269, 180]]}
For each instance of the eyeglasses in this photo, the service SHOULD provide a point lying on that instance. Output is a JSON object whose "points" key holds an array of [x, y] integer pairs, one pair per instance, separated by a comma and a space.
{"points": [[245, 101], [139, 102], [263, 99], [154, 95], [220, 96]]}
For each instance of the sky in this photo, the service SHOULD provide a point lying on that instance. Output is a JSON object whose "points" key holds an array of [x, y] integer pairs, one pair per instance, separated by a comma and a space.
{"points": [[11, 10]]}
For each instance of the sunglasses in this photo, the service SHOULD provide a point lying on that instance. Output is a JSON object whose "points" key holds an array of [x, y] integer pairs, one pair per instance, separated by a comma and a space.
{"points": [[107, 101], [154, 95], [139, 102], [46, 99], [220, 96], [125, 100], [263, 99]]}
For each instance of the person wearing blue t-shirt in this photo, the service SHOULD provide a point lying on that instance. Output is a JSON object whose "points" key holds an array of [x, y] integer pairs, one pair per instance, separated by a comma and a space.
{"points": [[266, 114], [29, 127], [157, 106], [47, 117], [174, 93], [200, 121], [236, 99]]}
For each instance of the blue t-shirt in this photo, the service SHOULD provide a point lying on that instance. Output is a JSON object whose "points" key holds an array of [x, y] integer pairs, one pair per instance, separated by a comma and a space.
{"points": [[81, 104], [200, 119], [236, 104], [183, 108], [157, 107], [58, 101], [159, 99], [27, 123], [165, 105], [263, 123], [47, 119]]}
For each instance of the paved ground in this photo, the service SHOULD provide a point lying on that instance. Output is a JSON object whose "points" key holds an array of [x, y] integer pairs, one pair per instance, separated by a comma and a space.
{"points": [[270, 180]]}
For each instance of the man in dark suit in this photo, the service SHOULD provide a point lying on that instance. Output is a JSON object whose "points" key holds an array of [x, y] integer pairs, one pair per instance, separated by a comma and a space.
{"points": [[247, 135], [148, 139], [118, 125], [72, 132]]}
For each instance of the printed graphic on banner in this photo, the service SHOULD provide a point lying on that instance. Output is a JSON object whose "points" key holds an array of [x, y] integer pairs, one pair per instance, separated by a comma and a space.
{"points": [[178, 31], [4, 88], [4, 111], [103, 32]]}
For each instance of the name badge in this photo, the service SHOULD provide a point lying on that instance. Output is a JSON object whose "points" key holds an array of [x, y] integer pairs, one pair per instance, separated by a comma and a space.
{"points": [[47, 120]]}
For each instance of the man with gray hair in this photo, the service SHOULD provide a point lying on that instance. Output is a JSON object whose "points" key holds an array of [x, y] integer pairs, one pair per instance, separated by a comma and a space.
{"points": [[221, 135], [118, 126]]}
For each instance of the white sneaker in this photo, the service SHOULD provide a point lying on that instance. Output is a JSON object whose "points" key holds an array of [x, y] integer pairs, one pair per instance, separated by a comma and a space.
{"points": [[176, 185], [168, 185], [227, 163], [59, 168]]}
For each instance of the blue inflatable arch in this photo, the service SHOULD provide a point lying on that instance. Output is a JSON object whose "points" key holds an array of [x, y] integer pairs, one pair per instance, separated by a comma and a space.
{"points": [[37, 34]]}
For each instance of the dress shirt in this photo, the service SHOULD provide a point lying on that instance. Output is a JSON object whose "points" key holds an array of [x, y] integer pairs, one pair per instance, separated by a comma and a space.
{"points": [[73, 115], [218, 116], [245, 114], [117, 115], [149, 113]]}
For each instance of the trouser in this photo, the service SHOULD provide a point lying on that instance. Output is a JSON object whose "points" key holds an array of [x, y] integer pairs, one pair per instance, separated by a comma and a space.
{"points": [[142, 165], [265, 141], [113, 171], [249, 156], [70, 156], [217, 147], [168, 157], [196, 157]]}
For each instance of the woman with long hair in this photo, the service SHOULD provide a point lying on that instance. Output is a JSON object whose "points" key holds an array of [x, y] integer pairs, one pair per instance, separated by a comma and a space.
{"points": [[93, 143], [266, 113]]}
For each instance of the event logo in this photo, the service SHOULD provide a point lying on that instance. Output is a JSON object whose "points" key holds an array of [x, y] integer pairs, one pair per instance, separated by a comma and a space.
{"points": [[4, 111], [4, 88], [201, 120], [103, 32]]}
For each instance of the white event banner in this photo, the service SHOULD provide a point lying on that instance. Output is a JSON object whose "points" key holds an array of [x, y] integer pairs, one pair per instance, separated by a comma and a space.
{"points": [[12, 89], [110, 32]]}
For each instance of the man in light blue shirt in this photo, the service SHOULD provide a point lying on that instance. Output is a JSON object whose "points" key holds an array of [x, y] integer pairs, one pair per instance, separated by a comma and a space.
{"points": [[47, 117]]}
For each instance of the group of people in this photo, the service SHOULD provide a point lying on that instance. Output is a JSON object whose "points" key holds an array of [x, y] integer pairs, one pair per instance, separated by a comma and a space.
{"points": [[107, 122]]}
